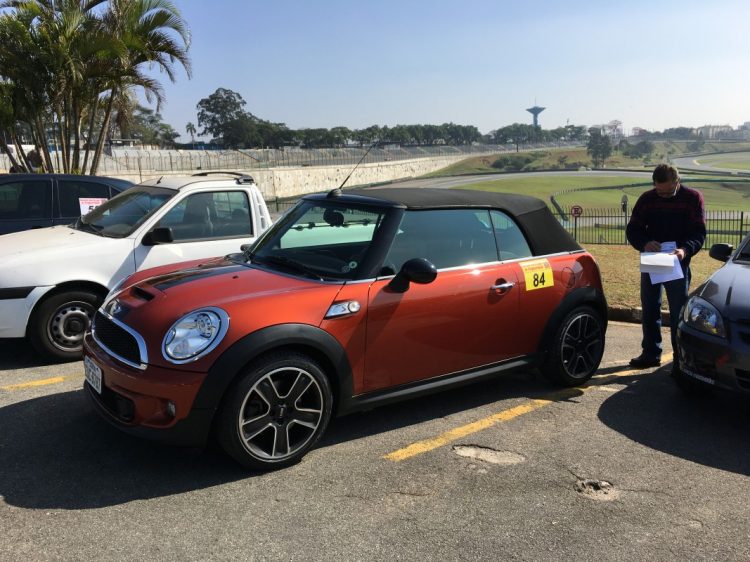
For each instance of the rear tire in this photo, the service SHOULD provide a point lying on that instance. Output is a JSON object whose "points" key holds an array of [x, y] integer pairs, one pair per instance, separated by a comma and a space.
{"points": [[276, 412], [57, 325], [577, 348]]}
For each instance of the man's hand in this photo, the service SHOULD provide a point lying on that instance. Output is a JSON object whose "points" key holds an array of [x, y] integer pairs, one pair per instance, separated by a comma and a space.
{"points": [[680, 253], [652, 246]]}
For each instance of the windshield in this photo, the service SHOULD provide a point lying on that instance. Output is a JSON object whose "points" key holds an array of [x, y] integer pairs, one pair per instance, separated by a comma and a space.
{"points": [[121, 215], [320, 240]]}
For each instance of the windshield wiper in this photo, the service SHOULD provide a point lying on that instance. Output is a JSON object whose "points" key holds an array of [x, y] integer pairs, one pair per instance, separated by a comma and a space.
{"points": [[288, 263], [87, 226]]}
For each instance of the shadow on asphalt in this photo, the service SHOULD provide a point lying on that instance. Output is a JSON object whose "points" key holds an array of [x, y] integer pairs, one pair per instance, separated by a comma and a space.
{"points": [[56, 453], [710, 430], [17, 353]]}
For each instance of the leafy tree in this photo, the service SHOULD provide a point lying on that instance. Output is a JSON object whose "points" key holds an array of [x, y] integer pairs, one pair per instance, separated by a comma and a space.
{"points": [[599, 147], [218, 110]]}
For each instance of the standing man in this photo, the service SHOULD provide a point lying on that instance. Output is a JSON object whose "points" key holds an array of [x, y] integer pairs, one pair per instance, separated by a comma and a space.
{"points": [[670, 212]]}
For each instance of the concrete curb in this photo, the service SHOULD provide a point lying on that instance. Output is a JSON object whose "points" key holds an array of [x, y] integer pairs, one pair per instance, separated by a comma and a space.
{"points": [[635, 315]]}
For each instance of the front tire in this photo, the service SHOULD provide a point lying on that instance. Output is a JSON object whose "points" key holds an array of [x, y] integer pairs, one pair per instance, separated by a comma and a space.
{"points": [[276, 412], [57, 326], [577, 348]]}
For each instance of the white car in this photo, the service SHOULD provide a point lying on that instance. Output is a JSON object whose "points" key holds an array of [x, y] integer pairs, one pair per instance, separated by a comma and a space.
{"points": [[52, 280]]}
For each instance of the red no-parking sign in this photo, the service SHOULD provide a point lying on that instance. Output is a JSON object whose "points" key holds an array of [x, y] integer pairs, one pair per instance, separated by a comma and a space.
{"points": [[576, 210]]}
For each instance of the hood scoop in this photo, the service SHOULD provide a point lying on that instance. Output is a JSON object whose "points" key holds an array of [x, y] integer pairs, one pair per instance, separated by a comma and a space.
{"points": [[142, 294]]}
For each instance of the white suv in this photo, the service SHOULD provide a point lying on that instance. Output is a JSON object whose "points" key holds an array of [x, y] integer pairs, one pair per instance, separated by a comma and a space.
{"points": [[52, 280]]}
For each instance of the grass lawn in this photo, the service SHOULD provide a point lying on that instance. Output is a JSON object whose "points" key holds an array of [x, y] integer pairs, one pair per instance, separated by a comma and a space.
{"points": [[621, 278], [727, 195]]}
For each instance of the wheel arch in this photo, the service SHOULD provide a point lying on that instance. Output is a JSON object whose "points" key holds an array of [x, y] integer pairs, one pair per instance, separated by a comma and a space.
{"points": [[583, 296], [68, 286], [302, 338]]}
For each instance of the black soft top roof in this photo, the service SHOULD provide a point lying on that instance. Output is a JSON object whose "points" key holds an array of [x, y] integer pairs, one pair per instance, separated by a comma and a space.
{"points": [[433, 198], [543, 231]]}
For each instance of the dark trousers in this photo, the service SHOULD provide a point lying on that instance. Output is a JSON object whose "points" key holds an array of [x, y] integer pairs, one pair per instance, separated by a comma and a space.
{"points": [[677, 295]]}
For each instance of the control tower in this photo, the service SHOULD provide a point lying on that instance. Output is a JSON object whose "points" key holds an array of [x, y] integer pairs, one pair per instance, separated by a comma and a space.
{"points": [[535, 111]]}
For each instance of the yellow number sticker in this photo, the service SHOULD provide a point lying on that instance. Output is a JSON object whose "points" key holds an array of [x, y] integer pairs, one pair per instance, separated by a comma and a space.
{"points": [[538, 274]]}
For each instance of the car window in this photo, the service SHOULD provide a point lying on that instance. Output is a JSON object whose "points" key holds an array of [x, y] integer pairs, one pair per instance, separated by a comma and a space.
{"points": [[511, 242], [328, 240], [447, 238], [70, 193], [215, 214], [122, 214], [25, 200]]}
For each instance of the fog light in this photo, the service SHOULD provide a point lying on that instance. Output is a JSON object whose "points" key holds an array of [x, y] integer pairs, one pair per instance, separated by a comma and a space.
{"points": [[171, 409]]}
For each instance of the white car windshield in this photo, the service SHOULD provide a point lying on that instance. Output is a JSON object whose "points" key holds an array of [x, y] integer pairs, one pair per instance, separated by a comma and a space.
{"points": [[121, 215]]}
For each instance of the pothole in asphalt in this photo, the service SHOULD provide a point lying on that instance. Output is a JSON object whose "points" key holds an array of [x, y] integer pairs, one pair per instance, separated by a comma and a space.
{"points": [[486, 454], [597, 489]]}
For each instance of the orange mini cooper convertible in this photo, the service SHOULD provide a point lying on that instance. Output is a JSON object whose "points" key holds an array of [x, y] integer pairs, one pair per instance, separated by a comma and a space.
{"points": [[348, 302]]}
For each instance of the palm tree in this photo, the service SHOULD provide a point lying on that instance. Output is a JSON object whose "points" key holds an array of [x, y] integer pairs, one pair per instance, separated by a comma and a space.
{"points": [[144, 32], [190, 129], [62, 60]]}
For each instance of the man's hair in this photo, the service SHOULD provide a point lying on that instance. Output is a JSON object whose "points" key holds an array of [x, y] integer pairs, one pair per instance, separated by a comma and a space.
{"points": [[665, 173]]}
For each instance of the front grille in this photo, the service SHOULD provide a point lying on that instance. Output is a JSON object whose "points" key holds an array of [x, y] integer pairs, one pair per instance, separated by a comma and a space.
{"points": [[116, 339]]}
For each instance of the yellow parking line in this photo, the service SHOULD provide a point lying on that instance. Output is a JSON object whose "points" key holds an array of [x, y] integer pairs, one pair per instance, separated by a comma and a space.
{"points": [[41, 382], [427, 445]]}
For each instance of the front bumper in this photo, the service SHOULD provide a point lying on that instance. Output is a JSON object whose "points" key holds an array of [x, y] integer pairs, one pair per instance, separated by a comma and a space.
{"points": [[138, 402], [15, 312], [722, 363]]}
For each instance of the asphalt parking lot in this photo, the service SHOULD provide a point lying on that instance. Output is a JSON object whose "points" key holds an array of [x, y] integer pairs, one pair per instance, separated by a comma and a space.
{"points": [[626, 468]]}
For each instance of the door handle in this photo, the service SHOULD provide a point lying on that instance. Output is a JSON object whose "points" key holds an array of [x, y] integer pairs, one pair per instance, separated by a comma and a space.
{"points": [[503, 287]]}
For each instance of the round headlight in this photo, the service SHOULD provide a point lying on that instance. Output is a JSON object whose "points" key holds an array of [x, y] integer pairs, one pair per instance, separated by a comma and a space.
{"points": [[703, 316], [195, 334]]}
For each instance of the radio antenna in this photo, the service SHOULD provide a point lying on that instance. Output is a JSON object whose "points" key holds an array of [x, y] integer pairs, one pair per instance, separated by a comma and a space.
{"points": [[357, 166]]}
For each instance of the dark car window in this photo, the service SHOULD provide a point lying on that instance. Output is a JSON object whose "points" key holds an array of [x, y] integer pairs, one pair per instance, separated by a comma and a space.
{"points": [[210, 215], [29, 199], [510, 240], [70, 193], [121, 215], [447, 238]]}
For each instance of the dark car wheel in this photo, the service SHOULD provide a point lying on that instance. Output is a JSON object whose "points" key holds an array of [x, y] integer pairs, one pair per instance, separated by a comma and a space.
{"points": [[57, 326], [276, 412], [577, 348]]}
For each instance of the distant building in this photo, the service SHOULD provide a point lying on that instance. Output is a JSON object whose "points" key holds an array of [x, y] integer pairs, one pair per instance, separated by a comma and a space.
{"points": [[715, 131], [639, 132]]}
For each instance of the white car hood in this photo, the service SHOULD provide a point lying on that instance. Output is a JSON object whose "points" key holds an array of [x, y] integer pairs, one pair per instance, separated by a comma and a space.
{"points": [[50, 256]]}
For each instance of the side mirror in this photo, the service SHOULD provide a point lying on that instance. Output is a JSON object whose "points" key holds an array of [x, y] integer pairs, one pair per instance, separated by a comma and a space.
{"points": [[159, 235], [417, 270], [721, 251]]}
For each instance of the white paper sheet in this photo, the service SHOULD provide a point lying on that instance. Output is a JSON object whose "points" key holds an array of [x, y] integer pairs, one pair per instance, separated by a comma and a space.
{"points": [[662, 266]]}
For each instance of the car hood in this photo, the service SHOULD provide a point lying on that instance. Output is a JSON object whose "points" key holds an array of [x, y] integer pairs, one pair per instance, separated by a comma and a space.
{"points": [[48, 256], [252, 297], [728, 289], [31, 245]]}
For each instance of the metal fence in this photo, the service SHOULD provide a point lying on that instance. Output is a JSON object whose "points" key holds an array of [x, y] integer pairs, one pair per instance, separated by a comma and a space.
{"points": [[607, 226], [134, 161]]}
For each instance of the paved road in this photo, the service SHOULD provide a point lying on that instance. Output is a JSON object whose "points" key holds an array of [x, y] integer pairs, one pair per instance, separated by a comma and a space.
{"points": [[508, 470]]}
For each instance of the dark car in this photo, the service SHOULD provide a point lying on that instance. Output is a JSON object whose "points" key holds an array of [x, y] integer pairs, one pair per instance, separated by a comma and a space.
{"points": [[39, 200], [713, 337], [347, 302]]}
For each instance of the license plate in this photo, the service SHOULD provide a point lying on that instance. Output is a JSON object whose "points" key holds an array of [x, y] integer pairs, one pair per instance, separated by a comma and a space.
{"points": [[93, 374]]}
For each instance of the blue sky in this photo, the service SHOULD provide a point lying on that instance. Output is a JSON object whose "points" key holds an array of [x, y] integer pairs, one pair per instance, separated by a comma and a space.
{"points": [[651, 64]]}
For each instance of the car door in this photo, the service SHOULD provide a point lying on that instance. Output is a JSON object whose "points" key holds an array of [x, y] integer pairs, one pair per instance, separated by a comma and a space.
{"points": [[204, 224], [464, 319], [25, 204]]}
